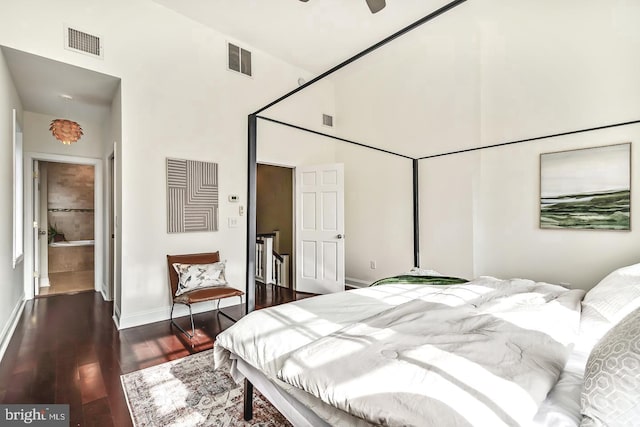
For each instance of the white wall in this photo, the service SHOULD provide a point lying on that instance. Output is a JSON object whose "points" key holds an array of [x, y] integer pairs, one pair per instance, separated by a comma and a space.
{"points": [[510, 242], [378, 213], [178, 100], [480, 216], [11, 284], [447, 213], [285, 146], [577, 70], [487, 73], [417, 95], [305, 108]]}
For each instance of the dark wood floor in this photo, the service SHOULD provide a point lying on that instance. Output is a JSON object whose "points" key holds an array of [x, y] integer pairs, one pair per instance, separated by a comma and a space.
{"points": [[66, 349]]}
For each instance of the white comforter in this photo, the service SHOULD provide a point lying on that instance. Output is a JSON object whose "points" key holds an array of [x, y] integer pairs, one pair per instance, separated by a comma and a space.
{"points": [[483, 353]]}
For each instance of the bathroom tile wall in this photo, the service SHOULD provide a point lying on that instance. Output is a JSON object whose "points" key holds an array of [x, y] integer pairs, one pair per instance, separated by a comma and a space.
{"points": [[70, 199], [70, 258]]}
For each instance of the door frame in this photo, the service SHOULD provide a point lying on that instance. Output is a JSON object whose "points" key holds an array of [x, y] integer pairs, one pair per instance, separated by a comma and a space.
{"points": [[98, 201], [36, 212], [110, 264]]}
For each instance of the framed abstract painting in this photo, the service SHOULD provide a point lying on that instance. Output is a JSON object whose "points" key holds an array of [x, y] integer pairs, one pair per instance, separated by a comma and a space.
{"points": [[587, 188], [192, 196]]}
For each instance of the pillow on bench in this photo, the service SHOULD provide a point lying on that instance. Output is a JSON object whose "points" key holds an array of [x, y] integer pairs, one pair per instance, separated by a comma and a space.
{"points": [[196, 276]]}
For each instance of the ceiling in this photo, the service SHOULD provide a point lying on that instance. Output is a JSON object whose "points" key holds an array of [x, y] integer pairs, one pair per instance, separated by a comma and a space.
{"points": [[313, 35], [41, 82]]}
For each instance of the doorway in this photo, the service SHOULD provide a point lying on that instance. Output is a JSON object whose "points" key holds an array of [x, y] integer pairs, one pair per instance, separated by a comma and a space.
{"points": [[300, 218], [66, 232], [66, 243], [275, 222]]}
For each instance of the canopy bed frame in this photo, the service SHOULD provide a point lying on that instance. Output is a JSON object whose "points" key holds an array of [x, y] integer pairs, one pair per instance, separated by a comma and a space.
{"points": [[253, 120]]}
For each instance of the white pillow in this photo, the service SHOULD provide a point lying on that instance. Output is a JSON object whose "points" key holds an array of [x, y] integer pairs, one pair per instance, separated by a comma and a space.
{"points": [[196, 276], [608, 302], [417, 271]]}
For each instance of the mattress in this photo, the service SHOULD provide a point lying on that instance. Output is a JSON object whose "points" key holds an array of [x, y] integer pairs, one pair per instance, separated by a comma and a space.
{"points": [[297, 324], [561, 408]]}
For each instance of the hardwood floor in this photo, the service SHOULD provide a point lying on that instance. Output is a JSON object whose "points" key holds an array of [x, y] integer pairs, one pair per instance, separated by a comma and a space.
{"points": [[68, 281], [66, 349]]}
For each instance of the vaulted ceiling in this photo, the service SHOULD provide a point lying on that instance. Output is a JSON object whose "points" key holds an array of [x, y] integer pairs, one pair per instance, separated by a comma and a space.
{"points": [[314, 35]]}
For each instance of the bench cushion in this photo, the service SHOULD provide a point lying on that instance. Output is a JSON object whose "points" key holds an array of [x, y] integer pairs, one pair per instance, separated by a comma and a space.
{"points": [[207, 294]]}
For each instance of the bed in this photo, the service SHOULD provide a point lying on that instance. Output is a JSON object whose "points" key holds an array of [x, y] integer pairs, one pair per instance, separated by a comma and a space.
{"points": [[484, 352]]}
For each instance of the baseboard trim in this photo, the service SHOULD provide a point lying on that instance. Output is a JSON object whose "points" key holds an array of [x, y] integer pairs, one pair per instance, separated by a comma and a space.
{"points": [[164, 313], [116, 315], [44, 282], [105, 292], [357, 283], [10, 328]]}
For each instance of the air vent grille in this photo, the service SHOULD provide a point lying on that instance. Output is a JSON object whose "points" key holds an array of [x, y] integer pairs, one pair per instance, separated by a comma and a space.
{"points": [[327, 120], [83, 42], [239, 59]]}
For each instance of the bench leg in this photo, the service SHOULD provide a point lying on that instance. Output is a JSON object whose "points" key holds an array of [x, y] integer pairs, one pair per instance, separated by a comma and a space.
{"points": [[248, 400], [173, 322], [225, 314]]}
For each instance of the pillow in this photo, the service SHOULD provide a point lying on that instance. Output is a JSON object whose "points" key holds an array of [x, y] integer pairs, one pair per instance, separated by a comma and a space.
{"points": [[611, 393], [620, 290], [417, 271], [608, 302], [196, 276]]}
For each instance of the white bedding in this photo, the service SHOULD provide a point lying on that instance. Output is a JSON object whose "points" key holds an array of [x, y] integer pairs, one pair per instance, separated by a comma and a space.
{"points": [[267, 339]]}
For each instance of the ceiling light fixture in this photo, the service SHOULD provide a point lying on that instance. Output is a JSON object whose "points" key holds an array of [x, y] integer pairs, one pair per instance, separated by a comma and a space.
{"points": [[66, 131]]}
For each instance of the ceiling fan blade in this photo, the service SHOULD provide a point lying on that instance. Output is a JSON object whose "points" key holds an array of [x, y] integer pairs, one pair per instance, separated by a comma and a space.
{"points": [[376, 5]]}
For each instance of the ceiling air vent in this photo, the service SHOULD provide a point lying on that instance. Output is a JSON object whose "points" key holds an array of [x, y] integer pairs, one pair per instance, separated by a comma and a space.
{"points": [[239, 59], [327, 120], [79, 41]]}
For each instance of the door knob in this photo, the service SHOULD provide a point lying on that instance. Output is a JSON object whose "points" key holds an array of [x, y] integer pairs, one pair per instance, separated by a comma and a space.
{"points": [[339, 236]]}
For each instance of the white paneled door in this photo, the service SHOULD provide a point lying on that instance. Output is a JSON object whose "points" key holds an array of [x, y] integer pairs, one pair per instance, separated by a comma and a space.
{"points": [[320, 228]]}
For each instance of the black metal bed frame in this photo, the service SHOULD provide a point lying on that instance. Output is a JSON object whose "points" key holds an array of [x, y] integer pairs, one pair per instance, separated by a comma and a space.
{"points": [[252, 138]]}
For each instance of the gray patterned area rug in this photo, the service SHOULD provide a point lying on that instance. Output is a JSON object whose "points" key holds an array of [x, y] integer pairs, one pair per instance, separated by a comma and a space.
{"points": [[188, 392]]}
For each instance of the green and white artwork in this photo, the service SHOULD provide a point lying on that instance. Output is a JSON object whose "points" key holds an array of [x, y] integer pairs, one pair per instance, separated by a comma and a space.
{"points": [[587, 188]]}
